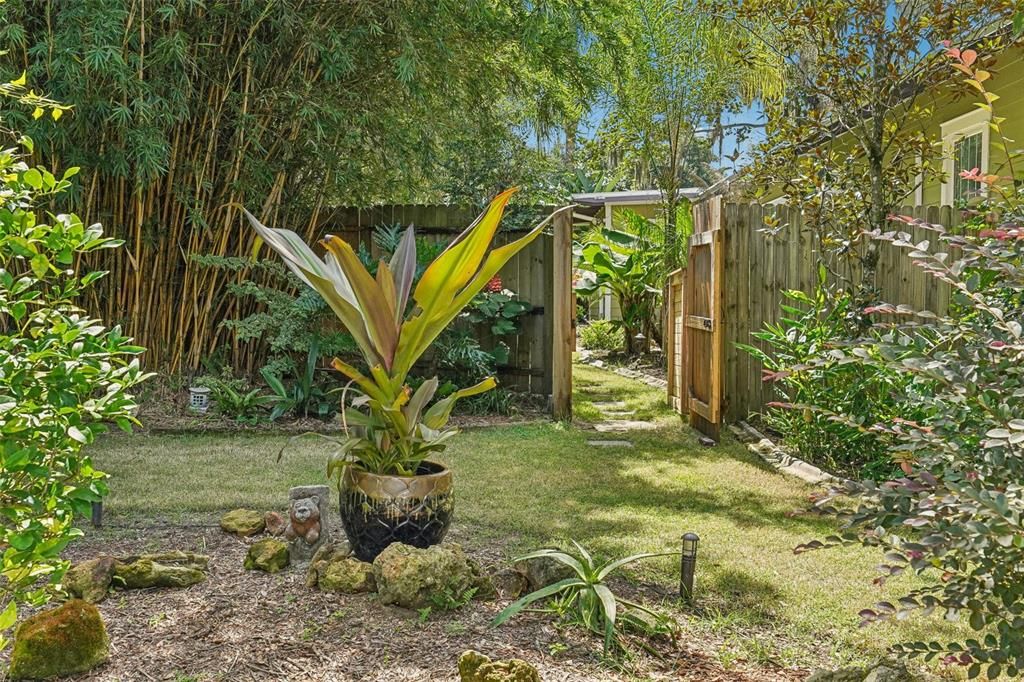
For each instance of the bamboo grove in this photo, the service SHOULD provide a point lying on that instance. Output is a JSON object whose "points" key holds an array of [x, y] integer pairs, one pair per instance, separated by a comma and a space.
{"points": [[183, 111]]}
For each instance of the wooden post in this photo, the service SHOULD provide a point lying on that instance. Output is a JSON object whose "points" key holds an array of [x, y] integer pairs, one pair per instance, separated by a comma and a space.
{"points": [[562, 317]]}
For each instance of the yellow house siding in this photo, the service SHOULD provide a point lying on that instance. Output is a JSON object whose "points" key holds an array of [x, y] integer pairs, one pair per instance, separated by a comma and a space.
{"points": [[1008, 83]]}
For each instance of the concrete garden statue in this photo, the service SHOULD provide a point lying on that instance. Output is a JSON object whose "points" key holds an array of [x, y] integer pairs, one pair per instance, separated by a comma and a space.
{"points": [[390, 491]]}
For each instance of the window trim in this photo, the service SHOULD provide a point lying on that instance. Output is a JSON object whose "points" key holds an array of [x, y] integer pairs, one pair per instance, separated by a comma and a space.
{"points": [[954, 130]]}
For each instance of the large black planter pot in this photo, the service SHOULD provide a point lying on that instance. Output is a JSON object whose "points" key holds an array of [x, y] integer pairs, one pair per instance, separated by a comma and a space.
{"points": [[378, 510]]}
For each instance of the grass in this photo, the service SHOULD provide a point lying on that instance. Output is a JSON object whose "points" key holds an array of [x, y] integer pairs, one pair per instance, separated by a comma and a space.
{"points": [[541, 484]]}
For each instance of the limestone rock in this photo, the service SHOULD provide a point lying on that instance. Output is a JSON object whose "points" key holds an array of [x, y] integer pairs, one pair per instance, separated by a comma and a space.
{"points": [[411, 577], [269, 554], [841, 675], [328, 553], [543, 571], [143, 572], [889, 671], [510, 583], [90, 580], [198, 562], [476, 667], [243, 522], [62, 641], [275, 523], [885, 670], [349, 576]]}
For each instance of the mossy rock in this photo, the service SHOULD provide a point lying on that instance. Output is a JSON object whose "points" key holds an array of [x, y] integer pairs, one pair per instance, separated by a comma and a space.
{"points": [[144, 572], [543, 571], [269, 554], [90, 580], [412, 577], [62, 641], [476, 667], [329, 553], [243, 522], [349, 576]]}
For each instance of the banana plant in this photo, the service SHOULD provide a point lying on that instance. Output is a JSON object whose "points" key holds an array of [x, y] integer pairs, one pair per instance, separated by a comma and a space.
{"points": [[390, 429]]}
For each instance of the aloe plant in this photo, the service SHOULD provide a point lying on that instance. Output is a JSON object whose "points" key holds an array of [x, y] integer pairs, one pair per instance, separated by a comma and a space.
{"points": [[390, 429], [586, 595]]}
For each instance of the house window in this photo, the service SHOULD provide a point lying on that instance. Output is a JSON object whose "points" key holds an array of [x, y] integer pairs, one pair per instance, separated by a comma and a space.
{"points": [[965, 142]]}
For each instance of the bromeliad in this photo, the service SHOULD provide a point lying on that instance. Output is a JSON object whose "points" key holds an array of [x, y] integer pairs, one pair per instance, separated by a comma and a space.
{"points": [[390, 429]]}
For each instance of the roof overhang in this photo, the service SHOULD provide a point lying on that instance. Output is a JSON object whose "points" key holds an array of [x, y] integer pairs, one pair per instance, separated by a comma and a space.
{"points": [[638, 196]]}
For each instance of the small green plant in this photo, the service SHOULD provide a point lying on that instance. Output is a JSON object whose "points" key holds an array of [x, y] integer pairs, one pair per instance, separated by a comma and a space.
{"points": [[304, 395], [235, 400], [556, 648], [588, 601], [447, 600], [601, 335], [243, 406], [498, 309]]}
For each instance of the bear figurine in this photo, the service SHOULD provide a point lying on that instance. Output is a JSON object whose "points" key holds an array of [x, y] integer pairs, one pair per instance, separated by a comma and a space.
{"points": [[304, 519]]}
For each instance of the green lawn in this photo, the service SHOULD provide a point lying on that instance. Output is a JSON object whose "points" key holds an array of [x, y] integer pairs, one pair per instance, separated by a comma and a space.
{"points": [[525, 486]]}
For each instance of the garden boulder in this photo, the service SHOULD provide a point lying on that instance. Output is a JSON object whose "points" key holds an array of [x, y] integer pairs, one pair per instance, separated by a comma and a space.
{"points": [[885, 670], [412, 577], [62, 641], [333, 551], [543, 571], [172, 569], [476, 667], [243, 522], [269, 554], [275, 523], [90, 580], [510, 583], [348, 575]]}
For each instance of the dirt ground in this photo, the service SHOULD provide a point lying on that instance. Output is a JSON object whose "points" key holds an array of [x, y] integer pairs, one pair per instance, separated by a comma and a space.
{"points": [[248, 625]]}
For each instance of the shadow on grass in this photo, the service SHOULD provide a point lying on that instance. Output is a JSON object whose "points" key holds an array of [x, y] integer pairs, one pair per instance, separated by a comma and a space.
{"points": [[734, 595]]}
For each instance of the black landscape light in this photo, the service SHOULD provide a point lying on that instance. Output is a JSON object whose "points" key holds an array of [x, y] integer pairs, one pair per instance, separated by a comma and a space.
{"points": [[688, 563]]}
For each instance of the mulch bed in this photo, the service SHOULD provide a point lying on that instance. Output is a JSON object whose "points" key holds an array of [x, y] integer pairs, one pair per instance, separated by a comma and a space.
{"points": [[249, 625]]}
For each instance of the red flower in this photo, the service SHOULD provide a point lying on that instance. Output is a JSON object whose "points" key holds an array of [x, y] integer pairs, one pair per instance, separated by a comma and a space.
{"points": [[494, 286]]}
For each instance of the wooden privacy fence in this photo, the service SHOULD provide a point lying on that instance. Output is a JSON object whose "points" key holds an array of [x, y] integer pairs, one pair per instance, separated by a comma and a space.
{"points": [[757, 265]]}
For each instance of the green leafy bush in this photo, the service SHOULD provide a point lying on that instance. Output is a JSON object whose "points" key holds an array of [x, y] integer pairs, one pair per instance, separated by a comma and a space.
{"points": [[498, 309], [291, 317], [958, 507], [601, 335], [235, 399], [806, 364], [63, 376]]}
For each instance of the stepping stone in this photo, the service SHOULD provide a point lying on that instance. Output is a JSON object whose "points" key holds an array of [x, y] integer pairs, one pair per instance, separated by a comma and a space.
{"points": [[610, 443], [616, 425], [619, 414], [610, 405]]}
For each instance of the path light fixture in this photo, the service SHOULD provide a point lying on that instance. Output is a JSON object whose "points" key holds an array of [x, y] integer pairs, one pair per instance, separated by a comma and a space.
{"points": [[688, 564], [199, 399]]}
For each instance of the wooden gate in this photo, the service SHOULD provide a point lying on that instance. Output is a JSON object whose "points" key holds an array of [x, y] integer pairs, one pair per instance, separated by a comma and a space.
{"points": [[696, 324]]}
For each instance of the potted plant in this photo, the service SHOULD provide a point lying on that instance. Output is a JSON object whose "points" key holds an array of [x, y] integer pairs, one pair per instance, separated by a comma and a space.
{"points": [[389, 490]]}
